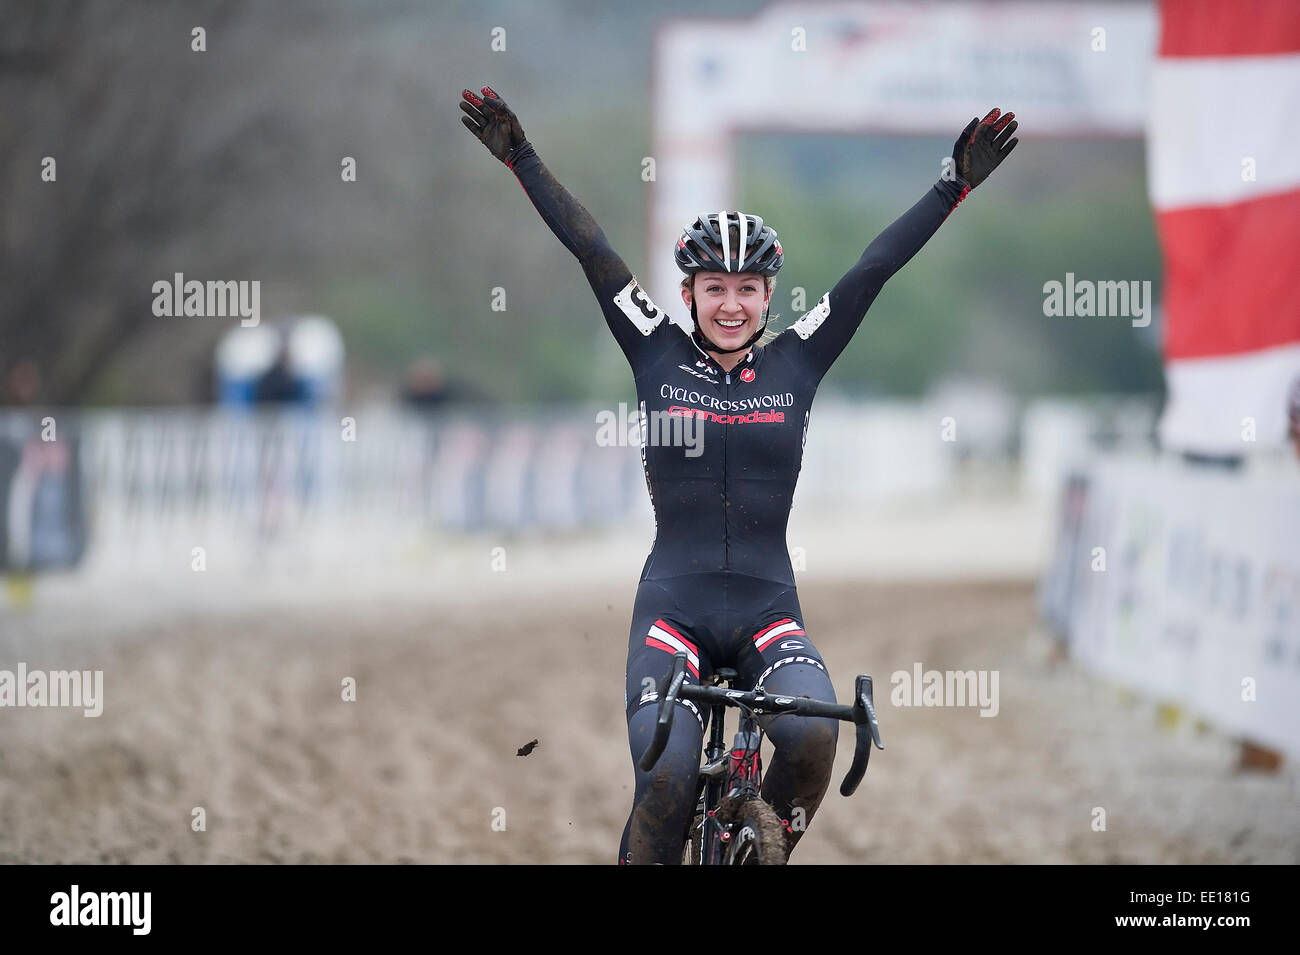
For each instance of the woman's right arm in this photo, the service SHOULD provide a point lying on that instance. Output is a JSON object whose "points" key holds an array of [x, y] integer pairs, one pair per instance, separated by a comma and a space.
{"points": [[630, 314]]}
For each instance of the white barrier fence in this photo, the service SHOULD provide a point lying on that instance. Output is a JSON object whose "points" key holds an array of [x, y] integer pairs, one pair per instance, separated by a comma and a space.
{"points": [[383, 481], [1185, 584], [328, 488]]}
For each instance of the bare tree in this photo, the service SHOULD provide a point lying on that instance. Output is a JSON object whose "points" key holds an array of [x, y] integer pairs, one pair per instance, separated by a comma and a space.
{"points": [[222, 164]]}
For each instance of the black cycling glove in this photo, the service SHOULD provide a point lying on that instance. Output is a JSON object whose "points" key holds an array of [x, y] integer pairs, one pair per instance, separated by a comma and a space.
{"points": [[983, 144], [493, 122]]}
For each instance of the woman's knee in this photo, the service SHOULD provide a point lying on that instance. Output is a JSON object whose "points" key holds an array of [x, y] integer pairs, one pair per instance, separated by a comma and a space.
{"points": [[674, 775], [808, 741]]}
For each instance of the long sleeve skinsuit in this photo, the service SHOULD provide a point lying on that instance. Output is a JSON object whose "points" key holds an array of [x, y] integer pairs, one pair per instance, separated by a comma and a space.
{"points": [[722, 452]]}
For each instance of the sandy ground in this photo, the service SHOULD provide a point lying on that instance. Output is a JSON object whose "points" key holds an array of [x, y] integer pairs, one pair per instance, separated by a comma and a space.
{"points": [[241, 713]]}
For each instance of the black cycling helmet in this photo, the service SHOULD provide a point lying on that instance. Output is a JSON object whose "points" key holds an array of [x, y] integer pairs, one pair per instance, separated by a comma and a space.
{"points": [[702, 249]]}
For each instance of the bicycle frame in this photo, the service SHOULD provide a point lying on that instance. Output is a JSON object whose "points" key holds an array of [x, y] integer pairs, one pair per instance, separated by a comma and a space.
{"points": [[738, 771]]}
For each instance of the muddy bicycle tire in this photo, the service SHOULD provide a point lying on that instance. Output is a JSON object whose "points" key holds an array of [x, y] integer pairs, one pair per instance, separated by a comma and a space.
{"points": [[694, 840], [757, 838]]}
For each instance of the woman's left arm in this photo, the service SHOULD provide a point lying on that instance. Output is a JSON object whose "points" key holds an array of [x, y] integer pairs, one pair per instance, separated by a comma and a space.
{"points": [[827, 328]]}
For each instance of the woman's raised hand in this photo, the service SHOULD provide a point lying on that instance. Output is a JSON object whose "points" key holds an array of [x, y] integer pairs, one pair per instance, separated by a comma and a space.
{"points": [[983, 144], [493, 122]]}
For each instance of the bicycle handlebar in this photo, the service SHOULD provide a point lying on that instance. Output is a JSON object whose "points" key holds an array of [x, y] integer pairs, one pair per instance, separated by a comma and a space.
{"points": [[669, 687], [861, 712]]}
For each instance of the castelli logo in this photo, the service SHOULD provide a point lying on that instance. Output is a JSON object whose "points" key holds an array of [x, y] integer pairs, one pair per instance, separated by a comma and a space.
{"points": [[747, 375]]}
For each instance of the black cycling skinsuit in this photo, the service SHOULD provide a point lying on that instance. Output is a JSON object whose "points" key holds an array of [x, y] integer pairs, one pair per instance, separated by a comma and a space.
{"points": [[722, 453]]}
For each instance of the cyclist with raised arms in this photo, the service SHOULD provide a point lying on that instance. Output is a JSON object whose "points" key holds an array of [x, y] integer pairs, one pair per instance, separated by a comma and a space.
{"points": [[718, 582]]}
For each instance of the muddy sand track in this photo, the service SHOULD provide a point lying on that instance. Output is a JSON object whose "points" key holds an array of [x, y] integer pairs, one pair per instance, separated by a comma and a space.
{"points": [[242, 715]]}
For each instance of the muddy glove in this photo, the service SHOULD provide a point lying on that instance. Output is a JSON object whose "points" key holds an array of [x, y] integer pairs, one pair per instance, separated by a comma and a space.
{"points": [[983, 144], [493, 122]]}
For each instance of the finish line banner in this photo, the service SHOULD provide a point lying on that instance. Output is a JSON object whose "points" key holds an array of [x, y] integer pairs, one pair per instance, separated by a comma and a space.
{"points": [[920, 68]]}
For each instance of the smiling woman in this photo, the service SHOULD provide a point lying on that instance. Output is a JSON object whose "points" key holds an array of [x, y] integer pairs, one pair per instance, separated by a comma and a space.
{"points": [[726, 309], [729, 252], [718, 584]]}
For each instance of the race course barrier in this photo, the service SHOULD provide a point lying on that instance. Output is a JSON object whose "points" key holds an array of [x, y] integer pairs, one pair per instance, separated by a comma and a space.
{"points": [[1184, 584]]}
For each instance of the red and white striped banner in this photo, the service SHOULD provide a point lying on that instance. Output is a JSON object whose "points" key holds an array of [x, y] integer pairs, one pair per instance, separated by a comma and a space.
{"points": [[1223, 166]]}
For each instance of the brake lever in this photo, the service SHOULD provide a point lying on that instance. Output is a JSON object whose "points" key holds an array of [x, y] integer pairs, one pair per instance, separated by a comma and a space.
{"points": [[868, 733]]}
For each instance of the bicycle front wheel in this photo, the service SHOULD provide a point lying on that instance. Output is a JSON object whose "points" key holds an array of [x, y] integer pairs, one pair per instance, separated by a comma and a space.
{"points": [[694, 839], [757, 838]]}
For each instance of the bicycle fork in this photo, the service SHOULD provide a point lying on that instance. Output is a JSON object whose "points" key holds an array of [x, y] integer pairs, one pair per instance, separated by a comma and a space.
{"points": [[734, 772]]}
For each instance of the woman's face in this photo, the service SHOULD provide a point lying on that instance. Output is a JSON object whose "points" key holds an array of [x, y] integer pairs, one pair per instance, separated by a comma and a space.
{"points": [[728, 305]]}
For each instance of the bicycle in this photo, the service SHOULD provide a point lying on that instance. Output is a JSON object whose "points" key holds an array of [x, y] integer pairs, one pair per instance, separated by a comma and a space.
{"points": [[740, 828]]}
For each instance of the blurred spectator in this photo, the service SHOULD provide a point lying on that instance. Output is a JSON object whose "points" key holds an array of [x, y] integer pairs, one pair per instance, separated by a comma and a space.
{"points": [[22, 384], [425, 386], [279, 384], [295, 361]]}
